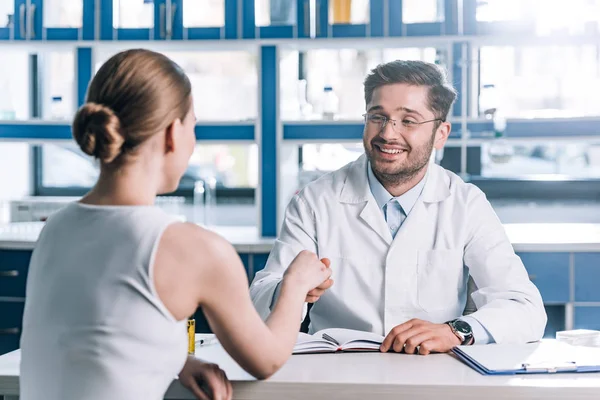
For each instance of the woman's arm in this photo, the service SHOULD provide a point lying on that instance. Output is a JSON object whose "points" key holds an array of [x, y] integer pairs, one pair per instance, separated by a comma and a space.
{"points": [[205, 270]]}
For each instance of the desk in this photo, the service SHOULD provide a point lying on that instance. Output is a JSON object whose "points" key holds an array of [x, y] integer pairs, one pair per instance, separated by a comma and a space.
{"points": [[368, 376]]}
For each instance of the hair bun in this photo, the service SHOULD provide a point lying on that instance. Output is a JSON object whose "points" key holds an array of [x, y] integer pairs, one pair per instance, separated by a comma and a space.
{"points": [[97, 131]]}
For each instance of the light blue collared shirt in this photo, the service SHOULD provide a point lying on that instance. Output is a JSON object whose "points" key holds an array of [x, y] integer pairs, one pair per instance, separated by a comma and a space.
{"points": [[395, 210]]}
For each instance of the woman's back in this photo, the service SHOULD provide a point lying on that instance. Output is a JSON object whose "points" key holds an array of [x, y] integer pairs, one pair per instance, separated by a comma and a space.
{"points": [[94, 326]]}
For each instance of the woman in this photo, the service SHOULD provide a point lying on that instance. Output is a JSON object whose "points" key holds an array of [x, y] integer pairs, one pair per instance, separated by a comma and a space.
{"points": [[113, 279]]}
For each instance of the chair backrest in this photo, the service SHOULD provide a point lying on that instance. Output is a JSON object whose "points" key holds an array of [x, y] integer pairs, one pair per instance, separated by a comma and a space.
{"points": [[470, 307]]}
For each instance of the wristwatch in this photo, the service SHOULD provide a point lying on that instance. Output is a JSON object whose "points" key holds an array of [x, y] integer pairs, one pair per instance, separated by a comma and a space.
{"points": [[462, 330]]}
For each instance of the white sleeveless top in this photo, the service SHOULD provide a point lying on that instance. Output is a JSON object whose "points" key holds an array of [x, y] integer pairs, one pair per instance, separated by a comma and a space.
{"points": [[94, 326]]}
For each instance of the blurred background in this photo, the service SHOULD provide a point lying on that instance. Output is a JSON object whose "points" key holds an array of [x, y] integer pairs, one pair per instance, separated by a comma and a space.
{"points": [[278, 93]]}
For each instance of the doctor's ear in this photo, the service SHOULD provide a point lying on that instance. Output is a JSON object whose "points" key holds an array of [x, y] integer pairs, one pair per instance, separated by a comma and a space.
{"points": [[441, 135]]}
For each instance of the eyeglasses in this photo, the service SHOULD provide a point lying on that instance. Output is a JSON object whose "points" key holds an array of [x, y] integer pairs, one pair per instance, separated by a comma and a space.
{"points": [[379, 122]]}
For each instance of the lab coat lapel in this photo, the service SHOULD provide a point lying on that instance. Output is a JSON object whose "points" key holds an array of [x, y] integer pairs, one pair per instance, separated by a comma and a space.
{"points": [[373, 217], [356, 191]]}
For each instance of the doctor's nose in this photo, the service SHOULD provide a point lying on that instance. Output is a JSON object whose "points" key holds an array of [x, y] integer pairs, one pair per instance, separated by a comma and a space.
{"points": [[389, 132]]}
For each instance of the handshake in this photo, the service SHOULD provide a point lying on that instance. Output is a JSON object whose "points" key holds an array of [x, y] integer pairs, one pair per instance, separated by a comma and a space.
{"points": [[311, 274]]}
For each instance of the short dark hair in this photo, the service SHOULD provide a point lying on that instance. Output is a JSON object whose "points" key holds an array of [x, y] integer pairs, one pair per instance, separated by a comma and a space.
{"points": [[417, 73]]}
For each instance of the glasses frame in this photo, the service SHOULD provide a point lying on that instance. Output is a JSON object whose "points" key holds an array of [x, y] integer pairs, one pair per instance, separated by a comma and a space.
{"points": [[395, 122]]}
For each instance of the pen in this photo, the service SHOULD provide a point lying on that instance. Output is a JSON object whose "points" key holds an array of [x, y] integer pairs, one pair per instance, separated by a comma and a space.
{"points": [[329, 338]]}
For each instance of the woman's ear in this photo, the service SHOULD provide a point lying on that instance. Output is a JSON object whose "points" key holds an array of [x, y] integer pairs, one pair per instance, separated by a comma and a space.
{"points": [[172, 135]]}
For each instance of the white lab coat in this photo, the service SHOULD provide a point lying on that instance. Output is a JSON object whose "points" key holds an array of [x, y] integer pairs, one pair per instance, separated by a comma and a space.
{"points": [[379, 282]]}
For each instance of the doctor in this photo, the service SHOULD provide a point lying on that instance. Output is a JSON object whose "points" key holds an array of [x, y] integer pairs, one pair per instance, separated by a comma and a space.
{"points": [[403, 234]]}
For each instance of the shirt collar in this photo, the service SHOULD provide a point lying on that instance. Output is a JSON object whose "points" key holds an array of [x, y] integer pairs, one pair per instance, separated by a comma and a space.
{"points": [[382, 196]]}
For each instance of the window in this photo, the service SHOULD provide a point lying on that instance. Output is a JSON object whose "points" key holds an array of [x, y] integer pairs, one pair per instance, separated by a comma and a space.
{"points": [[231, 170], [63, 13], [535, 82], [15, 170], [318, 159], [349, 11], [275, 12], [133, 14], [14, 84], [65, 166], [224, 83], [343, 70], [58, 80], [7, 13], [203, 13], [574, 17], [543, 160], [231, 166], [414, 11], [503, 10]]}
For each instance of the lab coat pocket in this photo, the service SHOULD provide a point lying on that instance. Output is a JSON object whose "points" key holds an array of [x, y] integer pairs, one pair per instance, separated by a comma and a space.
{"points": [[439, 278]]}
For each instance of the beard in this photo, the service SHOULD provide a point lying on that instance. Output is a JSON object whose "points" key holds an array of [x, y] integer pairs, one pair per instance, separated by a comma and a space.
{"points": [[399, 171]]}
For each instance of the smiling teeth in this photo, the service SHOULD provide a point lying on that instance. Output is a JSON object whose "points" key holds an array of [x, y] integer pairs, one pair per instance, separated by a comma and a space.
{"points": [[391, 151]]}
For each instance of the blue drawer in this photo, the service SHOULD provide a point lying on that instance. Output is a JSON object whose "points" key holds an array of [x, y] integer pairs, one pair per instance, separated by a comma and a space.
{"points": [[11, 320], [550, 273], [14, 265], [587, 318], [587, 276]]}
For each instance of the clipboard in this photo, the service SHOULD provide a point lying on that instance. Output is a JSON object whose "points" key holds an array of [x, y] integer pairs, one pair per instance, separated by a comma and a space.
{"points": [[544, 357]]}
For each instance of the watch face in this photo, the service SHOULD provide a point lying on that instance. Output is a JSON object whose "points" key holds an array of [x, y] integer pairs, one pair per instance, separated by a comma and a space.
{"points": [[462, 327]]}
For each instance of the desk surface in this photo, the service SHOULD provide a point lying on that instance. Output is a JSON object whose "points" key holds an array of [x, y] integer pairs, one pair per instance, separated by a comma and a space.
{"points": [[372, 376], [562, 237]]}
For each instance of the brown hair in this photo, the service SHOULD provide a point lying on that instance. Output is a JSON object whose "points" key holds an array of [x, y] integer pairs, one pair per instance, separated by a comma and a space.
{"points": [[134, 95], [417, 73]]}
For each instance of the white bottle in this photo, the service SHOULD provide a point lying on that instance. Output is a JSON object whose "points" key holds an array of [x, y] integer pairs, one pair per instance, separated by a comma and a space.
{"points": [[330, 103]]}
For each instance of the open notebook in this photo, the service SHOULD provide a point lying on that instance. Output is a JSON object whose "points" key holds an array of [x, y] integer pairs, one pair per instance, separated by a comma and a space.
{"points": [[337, 339]]}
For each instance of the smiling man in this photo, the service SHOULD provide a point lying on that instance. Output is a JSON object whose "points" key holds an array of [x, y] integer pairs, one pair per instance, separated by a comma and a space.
{"points": [[404, 235]]}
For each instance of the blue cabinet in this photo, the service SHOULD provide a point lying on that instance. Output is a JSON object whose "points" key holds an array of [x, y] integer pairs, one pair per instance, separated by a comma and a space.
{"points": [[21, 20], [550, 273], [192, 21], [128, 20], [166, 20], [10, 325], [282, 19], [306, 19], [50, 20], [587, 277], [14, 265], [440, 19]]}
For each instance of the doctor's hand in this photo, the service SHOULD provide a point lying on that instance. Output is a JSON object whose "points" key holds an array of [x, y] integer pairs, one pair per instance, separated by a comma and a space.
{"points": [[416, 334], [317, 292], [308, 272], [205, 380]]}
